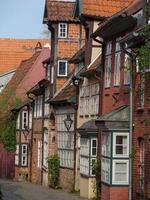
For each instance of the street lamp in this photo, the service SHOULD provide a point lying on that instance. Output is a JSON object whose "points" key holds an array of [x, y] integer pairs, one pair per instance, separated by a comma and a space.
{"points": [[68, 122]]}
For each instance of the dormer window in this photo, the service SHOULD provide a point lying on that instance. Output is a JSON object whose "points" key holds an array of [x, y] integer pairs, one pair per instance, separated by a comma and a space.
{"points": [[62, 30], [62, 68]]}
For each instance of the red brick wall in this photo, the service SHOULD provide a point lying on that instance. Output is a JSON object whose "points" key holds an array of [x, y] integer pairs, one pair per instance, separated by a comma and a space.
{"points": [[141, 130], [37, 135], [114, 193], [65, 48], [66, 179], [22, 173], [115, 96]]}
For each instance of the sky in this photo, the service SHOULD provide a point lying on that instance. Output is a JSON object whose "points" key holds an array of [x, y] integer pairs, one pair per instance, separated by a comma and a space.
{"points": [[21, 18]]}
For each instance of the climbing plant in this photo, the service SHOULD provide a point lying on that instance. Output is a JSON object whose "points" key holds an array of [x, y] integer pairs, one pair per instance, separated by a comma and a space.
{"points": [[7, 119], [98, 178], [143, 52], [53, 170]]}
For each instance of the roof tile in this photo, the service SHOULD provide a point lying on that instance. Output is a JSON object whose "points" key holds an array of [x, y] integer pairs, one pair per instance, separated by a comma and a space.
{"points": [[60, 10], [13, 51], [104, 8]]}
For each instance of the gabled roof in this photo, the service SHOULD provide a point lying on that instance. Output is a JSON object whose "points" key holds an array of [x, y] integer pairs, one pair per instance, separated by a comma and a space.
{"points": [[38, 88], [67, 94], [59, 11], [118, 114], [88, 128], [122, 19], [13, 51], [25, 73], [100, 8], [117, 118]]}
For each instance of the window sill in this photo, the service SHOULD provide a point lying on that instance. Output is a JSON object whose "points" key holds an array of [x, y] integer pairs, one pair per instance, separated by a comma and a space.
{"points": [[81, 116], [140, 109], [63, 76], [116, 86]]}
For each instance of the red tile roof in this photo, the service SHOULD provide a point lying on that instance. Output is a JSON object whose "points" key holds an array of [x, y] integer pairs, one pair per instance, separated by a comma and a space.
{"points": [[65, 94], [13, 51], [17, 87], [59, 11], [78, 56], [103, 8]]}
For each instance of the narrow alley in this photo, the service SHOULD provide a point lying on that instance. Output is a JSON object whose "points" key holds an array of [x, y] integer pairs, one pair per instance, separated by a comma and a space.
{"points": [[27, 191]]}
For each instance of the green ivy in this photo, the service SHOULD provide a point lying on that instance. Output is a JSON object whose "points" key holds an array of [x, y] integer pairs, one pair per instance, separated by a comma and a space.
{"points": [[143, 53], [53, 170], [8, 121], [8, 135], [98, 178]]}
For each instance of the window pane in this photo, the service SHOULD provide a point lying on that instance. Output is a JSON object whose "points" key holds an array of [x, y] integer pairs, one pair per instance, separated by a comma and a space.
{"points": [[93, 165], [105, 170], [62, 68], [106, 144], [121, 144], [121, 172], [93, 147]]}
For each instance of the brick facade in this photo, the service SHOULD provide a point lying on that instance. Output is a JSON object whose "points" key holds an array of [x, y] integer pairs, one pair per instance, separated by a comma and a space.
{"points": [[141, 132], [36, 171]]}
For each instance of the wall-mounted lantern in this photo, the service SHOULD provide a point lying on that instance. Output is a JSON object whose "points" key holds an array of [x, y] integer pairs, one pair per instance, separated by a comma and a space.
{"points": [[68, 122]]}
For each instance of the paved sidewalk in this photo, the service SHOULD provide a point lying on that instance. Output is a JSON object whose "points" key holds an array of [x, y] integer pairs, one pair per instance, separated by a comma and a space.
{"points": [[27, 191]]}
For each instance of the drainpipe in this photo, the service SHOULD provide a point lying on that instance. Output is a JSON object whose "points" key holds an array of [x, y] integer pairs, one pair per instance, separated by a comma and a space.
{"points": [[43, 104], [75, 136], [101, 81], [132, 72]]}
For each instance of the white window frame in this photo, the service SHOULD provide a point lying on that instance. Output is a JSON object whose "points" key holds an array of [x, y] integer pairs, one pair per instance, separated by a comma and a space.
{"points": [[115, 134], [94, 147], [18, 121], [30, 119], [65, 141], [48, 72], [39, 154], [17, 155], [108, 63], [105, 169], [66, 68], [117, 64], [106, 144], [23, 118], [113, 172], [45, 149], [52, 75], [126, 70], [60, 33], [24, 155]]}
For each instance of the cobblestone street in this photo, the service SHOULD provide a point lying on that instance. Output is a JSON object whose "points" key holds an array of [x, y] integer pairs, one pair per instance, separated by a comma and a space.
{"points": [[27, 191]]}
